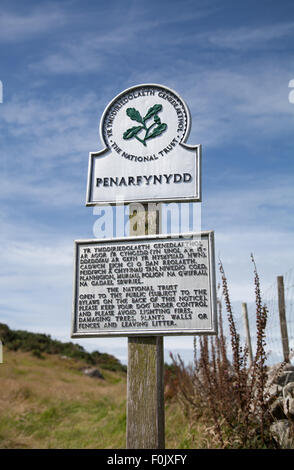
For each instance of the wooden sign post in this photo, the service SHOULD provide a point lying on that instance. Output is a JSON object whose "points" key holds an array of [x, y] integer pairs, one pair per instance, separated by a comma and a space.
{"points": [[145, 393], [145, 385], [147, 285]]}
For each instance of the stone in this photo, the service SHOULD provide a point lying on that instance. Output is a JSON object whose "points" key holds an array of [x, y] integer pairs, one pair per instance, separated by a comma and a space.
{"points": [[288, 399], [276, 409], [281, 433], [93, 372], [284, 378], [272, 372]]}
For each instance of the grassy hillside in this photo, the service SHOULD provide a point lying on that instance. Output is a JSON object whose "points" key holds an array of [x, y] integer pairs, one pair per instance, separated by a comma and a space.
{"points": [[48, 402], [37, 343]]}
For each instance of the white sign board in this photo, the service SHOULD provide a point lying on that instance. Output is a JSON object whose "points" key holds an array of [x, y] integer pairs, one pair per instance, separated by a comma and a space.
{"points": [[145, 158], [155, 285]]}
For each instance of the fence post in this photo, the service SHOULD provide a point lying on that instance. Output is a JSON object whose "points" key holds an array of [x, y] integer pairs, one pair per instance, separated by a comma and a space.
{"points": [[248, 338], [282, 314]]}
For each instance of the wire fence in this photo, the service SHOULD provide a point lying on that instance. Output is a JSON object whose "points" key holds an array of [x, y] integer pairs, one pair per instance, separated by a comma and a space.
{"points": [[273, 347]]}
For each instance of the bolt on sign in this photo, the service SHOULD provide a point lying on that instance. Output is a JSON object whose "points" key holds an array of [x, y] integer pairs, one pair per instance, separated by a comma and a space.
{"points": [[151, 285], [146, 159]]}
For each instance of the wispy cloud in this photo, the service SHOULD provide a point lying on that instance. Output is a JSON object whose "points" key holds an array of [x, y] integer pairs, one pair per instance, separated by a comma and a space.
{"points": [[17, 27], [252, 217], [256, 37], [229, 103], [138, 35], [49, 131], [39, 191], [247, 37], [258, 203], [236, 85]]}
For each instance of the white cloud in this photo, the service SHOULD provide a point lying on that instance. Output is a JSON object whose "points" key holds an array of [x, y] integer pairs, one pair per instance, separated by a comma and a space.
{"points": [[251, 201], [46, 141], [39, 267], [16, 27], [36, 191], [236, 104], [240, 102], [57, 113], [253, 219], [47, 135], [247, 37], [93, 51], [252, 37]]}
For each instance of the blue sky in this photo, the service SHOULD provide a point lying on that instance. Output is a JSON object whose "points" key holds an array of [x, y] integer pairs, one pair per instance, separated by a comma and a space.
{"points": [[62, 62]]}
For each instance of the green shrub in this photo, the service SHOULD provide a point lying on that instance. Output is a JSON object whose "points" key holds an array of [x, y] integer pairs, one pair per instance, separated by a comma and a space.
{"points": [[39, 343]]}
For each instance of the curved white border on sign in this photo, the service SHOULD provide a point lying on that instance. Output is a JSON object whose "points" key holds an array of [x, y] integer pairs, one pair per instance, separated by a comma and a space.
{"points": [[164, 170]]}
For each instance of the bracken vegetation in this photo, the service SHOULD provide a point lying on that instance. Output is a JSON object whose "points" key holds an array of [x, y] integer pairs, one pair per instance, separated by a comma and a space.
{"points": [[229, 397]]}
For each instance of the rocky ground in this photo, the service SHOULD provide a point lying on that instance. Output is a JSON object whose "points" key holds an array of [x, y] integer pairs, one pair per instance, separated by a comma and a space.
{"points": [[280, 392]]}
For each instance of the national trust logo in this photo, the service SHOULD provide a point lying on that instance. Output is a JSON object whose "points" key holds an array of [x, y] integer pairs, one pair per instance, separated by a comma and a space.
{"points": [[145, 156], [136, 130], [162, 123]]}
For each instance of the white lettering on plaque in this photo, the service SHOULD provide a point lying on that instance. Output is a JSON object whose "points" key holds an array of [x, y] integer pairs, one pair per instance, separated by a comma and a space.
{"points": [[144, 130], [156, 285]]}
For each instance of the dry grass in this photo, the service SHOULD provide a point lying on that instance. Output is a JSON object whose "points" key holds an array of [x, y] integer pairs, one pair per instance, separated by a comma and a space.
{"points": [[50, 403], [230, 395]]}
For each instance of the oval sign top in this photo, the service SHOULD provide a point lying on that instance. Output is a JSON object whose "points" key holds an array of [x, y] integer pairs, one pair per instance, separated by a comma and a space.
{"points": [[144, 120], [145, 158]]}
